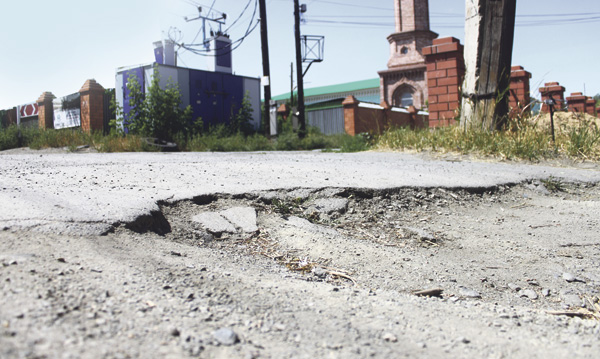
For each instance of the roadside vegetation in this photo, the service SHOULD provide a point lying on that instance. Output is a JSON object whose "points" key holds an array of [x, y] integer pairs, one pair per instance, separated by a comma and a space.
{"points": [[215, 140], [159, 114], [577, 137]]}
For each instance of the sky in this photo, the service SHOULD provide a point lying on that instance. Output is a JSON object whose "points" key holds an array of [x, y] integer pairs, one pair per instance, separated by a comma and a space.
{"points": [[57, 45]]}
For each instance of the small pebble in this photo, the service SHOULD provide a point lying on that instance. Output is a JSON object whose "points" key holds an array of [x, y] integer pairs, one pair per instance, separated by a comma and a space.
{"points": [[319, 272], [531, 294], [462, 340], [389, 337], [514, 287], [469, 293], [226, 336]]}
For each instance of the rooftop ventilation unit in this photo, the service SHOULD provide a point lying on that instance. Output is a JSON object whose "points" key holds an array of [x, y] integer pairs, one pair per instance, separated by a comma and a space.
{"points": [[221, 50], [164, 53]]}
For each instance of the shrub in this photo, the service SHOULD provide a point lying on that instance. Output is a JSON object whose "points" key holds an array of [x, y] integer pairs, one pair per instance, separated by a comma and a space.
{"points": [[157, 113]]}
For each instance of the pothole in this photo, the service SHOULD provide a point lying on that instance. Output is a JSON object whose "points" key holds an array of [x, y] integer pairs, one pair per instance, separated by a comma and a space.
{"points": [[305, 230], [406, 240]]}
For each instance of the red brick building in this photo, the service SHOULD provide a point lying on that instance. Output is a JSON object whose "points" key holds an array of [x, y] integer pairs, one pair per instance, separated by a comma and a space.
{"points": [[404, 83]]}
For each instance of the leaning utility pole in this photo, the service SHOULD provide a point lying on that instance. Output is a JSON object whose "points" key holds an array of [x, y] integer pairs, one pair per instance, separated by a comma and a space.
{"points": [[299, 72], [292, 84], [489, 36], [266, 68]]}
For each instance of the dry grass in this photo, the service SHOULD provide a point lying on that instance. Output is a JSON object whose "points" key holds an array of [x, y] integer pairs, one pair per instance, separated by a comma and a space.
{"points": [[260, 244], [577, 137], [591, 311], [564, 120], [115, 143]]}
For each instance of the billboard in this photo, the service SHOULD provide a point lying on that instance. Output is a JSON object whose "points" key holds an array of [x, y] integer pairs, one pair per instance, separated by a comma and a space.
{"points": [[67, 111], [29, 110]]}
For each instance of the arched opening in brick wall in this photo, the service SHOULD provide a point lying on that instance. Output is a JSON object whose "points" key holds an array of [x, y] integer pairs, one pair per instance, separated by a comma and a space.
{"points": [[404, 96]]}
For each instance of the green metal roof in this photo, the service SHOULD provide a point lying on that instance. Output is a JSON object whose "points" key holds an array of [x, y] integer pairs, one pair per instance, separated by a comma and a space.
{"points": [[339, 88]]}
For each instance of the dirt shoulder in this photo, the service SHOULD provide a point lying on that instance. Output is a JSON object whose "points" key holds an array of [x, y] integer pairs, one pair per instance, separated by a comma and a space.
{"points": [[329, 273]]}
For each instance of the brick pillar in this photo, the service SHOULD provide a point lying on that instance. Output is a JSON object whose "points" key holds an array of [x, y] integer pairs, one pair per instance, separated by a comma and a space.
{"points": [[283, 111], [350, 105], [576, 102], [519, 97], [590, 106], [445, 72], [557, 92], [92, 106], [386, 117], [46, 110], [414, 121]]}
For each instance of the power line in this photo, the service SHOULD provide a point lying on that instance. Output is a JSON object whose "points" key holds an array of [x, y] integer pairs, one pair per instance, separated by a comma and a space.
{"points": [[241, 15], [252, 25], [353, 5], [197, 4], [318, 19]]}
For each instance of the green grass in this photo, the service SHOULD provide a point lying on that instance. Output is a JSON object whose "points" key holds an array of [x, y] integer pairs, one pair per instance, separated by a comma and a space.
{"points": [[522, 140], [217, 140], [9, 137]]}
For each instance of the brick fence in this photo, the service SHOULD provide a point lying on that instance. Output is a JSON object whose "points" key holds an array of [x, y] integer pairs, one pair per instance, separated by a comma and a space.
{"points": [[590, 106], [577, 102], [555, 91], [92, 107], [519, 99], [367, 117], [445, 72]]}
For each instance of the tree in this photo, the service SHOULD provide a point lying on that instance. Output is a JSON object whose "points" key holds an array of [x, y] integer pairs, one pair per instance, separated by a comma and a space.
{"points": [[2, 118], [240, 122], [158, 112]]}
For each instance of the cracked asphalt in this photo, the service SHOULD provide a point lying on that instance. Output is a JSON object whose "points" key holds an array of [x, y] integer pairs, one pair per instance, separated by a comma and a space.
{"points": [[117, 256], [91, 192]]}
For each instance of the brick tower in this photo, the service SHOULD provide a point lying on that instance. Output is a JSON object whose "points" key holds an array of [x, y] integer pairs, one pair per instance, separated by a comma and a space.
{"points": [[404, 83]]}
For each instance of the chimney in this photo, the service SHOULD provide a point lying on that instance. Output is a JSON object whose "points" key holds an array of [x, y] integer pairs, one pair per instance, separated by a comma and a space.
{"points": [[170, 54], [221, 50], [159, 52]]}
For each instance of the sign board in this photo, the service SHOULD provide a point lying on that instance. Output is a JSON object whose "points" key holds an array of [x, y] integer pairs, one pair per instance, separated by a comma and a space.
{"points": [[273, 119], [29, 110], [67, 111]]}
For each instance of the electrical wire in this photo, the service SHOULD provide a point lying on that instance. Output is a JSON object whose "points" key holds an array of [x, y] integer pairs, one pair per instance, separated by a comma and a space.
{"points": [[353, 5], [589, 18], [241, 15], [231, 46], [197, 4]]}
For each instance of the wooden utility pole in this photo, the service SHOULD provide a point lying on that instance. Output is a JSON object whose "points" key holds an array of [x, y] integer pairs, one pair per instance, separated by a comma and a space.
{"points": [[292, 84], [266, 67], [489, 36], [299, 72]]}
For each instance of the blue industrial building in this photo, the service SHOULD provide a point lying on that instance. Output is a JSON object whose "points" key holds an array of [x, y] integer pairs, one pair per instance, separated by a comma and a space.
{"points": [[213, 95]]}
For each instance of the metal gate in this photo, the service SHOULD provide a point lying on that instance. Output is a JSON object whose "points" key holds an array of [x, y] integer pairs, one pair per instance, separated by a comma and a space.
{"points": [[330, 121]]}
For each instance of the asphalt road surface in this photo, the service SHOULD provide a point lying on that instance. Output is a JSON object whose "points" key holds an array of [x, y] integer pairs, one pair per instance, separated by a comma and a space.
{"points": [[121, 256]]}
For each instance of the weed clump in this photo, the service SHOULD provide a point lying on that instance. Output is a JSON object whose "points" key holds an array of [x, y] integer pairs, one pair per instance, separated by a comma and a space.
{"points": [[525, 139]]}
